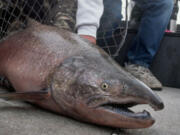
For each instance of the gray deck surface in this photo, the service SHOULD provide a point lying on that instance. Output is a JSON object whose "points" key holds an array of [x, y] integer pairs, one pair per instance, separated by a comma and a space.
{"points": [[18, 118]]}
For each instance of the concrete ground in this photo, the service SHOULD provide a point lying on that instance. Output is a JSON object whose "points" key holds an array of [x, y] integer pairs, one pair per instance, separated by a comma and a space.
{"points": [[18, 118]]}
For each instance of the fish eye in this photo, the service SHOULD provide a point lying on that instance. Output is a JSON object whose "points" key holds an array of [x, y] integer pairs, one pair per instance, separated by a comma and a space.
{"points": [[104, 86]]}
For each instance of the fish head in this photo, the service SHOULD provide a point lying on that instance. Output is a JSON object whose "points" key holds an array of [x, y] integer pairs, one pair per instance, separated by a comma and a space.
{"points": [[94, 88]]}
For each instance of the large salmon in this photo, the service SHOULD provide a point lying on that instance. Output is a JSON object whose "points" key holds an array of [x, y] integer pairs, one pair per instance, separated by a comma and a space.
{"points": [[61, 72]]}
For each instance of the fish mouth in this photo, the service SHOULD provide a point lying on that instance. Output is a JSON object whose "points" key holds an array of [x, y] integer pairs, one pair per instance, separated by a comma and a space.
{"points": [[124, 109], [122, 116]]}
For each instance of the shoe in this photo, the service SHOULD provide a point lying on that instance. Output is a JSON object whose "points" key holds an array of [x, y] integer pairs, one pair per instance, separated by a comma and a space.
{"points": [[144, 75]]}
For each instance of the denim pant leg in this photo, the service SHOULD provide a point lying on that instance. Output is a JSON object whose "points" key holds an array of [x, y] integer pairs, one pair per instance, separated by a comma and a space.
{"points": [[151, 30], [111, 17]]}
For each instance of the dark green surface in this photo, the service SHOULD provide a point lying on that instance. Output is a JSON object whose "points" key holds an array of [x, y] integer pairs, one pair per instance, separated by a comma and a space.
{"points": [[17, 118]]}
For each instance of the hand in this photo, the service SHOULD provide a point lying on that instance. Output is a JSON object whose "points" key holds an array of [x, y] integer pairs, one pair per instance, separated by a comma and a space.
{"points": [[90, 38]]}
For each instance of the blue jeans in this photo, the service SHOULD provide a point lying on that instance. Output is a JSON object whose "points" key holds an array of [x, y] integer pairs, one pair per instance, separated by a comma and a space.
{"points": [[151, 30], [111, 17], [154, 21]]}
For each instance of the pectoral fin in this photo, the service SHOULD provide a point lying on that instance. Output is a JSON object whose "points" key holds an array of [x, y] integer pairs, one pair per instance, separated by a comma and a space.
{"points": [[26, 96]]}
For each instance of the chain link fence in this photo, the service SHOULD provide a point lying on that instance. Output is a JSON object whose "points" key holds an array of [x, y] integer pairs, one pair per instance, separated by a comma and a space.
{"points": [[112, 32]]}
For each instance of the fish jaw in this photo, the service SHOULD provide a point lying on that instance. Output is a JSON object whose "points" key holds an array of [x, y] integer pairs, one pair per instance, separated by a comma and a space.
{"points": [[115, 117]]}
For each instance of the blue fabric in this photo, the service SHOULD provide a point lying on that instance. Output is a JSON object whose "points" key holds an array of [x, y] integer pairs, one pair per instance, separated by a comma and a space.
{"points": [[155, 18], [156, 15], [111, 18]]}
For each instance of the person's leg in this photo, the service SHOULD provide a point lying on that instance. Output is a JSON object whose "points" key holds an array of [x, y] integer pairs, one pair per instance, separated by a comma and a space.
{"points": [[110, 21], [111, 17], [151, 30], [135, 17], [155, 18]]}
